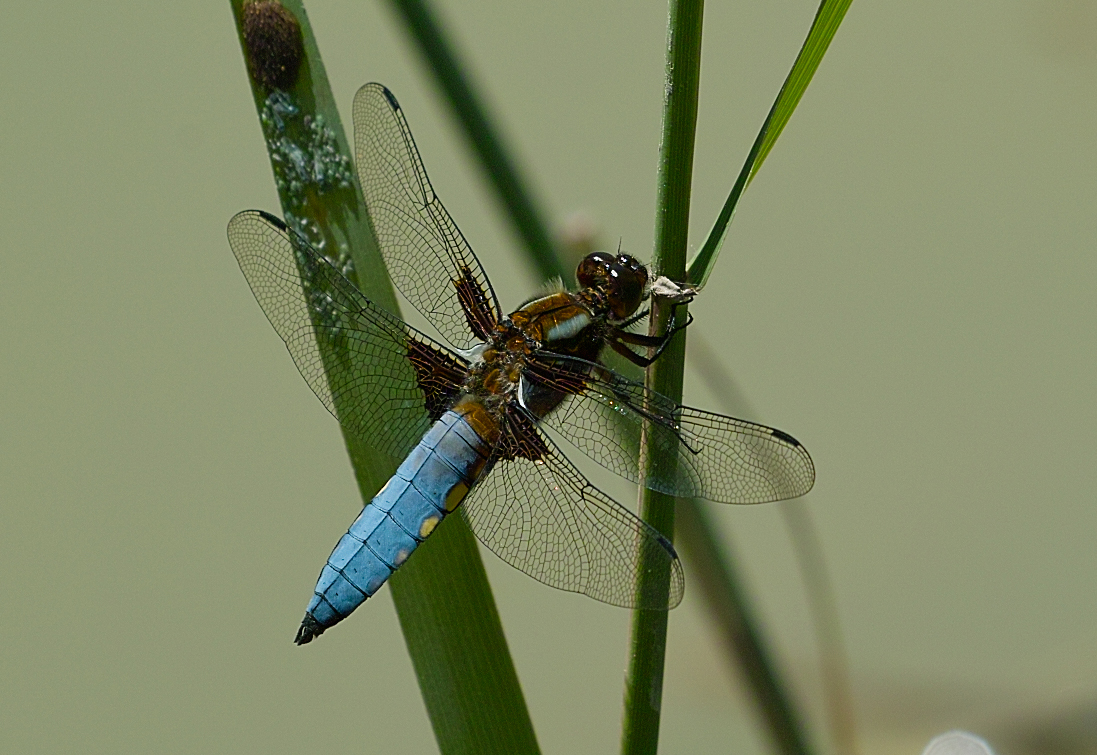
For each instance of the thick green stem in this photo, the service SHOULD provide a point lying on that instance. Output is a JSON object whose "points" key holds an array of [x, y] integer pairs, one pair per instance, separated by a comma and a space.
{"points": [[644, 683], [442, 595], [467, 678]]}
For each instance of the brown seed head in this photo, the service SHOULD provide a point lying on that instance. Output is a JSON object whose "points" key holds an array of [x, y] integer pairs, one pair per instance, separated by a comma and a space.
{"points": [[273, 40]]}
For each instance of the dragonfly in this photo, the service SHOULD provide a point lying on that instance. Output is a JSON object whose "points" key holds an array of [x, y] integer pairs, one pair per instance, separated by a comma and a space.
{"points": [[467, 411]]}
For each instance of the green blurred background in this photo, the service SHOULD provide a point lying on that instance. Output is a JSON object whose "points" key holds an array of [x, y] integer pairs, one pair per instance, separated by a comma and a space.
{"points": [[908, 288]]}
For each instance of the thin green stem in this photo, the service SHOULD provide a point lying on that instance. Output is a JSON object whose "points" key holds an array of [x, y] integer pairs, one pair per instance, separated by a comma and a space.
{"points": [[699, 539], [442, 595], [486, 140], [727, 601], [828, 626], [644, 683], [730, 605]]}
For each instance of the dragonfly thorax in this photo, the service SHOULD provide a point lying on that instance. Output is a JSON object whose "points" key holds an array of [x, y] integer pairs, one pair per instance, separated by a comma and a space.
{"points": [[496, 373]]}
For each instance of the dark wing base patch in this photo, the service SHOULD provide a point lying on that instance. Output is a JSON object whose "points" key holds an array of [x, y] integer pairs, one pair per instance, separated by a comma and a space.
{"points": [[478, 313], [438, 374], [520, 439]]}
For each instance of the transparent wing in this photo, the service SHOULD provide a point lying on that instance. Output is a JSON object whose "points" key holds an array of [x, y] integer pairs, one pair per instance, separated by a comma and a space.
{"points": [[429, 260], [541, 516], [380, 378], [696, 454]]}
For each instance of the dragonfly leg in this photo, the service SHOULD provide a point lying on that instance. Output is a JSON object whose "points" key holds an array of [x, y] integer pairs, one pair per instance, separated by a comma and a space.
{"points": [[634, 319], [629, 354], [618, 338]]}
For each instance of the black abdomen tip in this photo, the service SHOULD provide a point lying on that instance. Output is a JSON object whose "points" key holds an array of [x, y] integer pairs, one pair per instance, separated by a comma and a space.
{"points": [[310, 629]]}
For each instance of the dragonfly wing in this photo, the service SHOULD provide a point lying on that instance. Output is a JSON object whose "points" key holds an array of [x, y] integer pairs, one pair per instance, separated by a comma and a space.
{"points": [[381, 379], [429, 260], [539, 514], [697, 454]]}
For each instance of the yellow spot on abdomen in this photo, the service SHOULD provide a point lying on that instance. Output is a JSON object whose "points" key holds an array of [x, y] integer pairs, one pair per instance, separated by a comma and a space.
{"points": [[453, 500], [428, 526]]}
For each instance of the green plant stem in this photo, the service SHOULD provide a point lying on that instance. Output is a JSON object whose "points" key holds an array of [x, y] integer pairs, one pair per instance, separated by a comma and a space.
{"points": [[486, 140], [701, 541], [828, 627], [442, 596], [644, 682], [730, 605], [470, 689]]}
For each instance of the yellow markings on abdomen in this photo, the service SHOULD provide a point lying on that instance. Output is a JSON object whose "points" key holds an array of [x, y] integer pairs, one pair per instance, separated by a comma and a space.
{"points": [[482, 422], [428, 526], [453, 500]]}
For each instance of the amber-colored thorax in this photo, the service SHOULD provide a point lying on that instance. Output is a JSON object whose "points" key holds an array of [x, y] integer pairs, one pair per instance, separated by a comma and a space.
{"points": [[515, 367], [560, 322]]}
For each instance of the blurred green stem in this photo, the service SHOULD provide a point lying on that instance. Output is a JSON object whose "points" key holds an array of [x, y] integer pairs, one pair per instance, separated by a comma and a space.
{"points": [[731, 606], [486, 140], [644, 682], [442, 595], [728, 604], [834, 661]]}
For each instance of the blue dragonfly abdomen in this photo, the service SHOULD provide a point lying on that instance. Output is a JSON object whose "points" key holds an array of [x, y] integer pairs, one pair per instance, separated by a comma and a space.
{"points": [[430, 483]]}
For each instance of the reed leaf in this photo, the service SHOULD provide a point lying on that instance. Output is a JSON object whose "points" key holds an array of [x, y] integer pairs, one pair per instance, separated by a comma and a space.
{"points": [[442, 596], [827, 19]]}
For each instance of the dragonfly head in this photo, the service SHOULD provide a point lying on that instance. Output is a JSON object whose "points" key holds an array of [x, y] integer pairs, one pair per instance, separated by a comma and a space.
{"points": [[620, 276]]}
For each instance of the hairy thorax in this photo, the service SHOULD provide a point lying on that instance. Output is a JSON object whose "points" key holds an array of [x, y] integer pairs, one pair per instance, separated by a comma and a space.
{"points": [[561, 323]]}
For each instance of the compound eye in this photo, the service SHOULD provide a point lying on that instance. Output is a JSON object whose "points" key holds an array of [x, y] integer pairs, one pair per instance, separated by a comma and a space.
{"points": [[633, 266], [626, 289], [593, 269]]}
